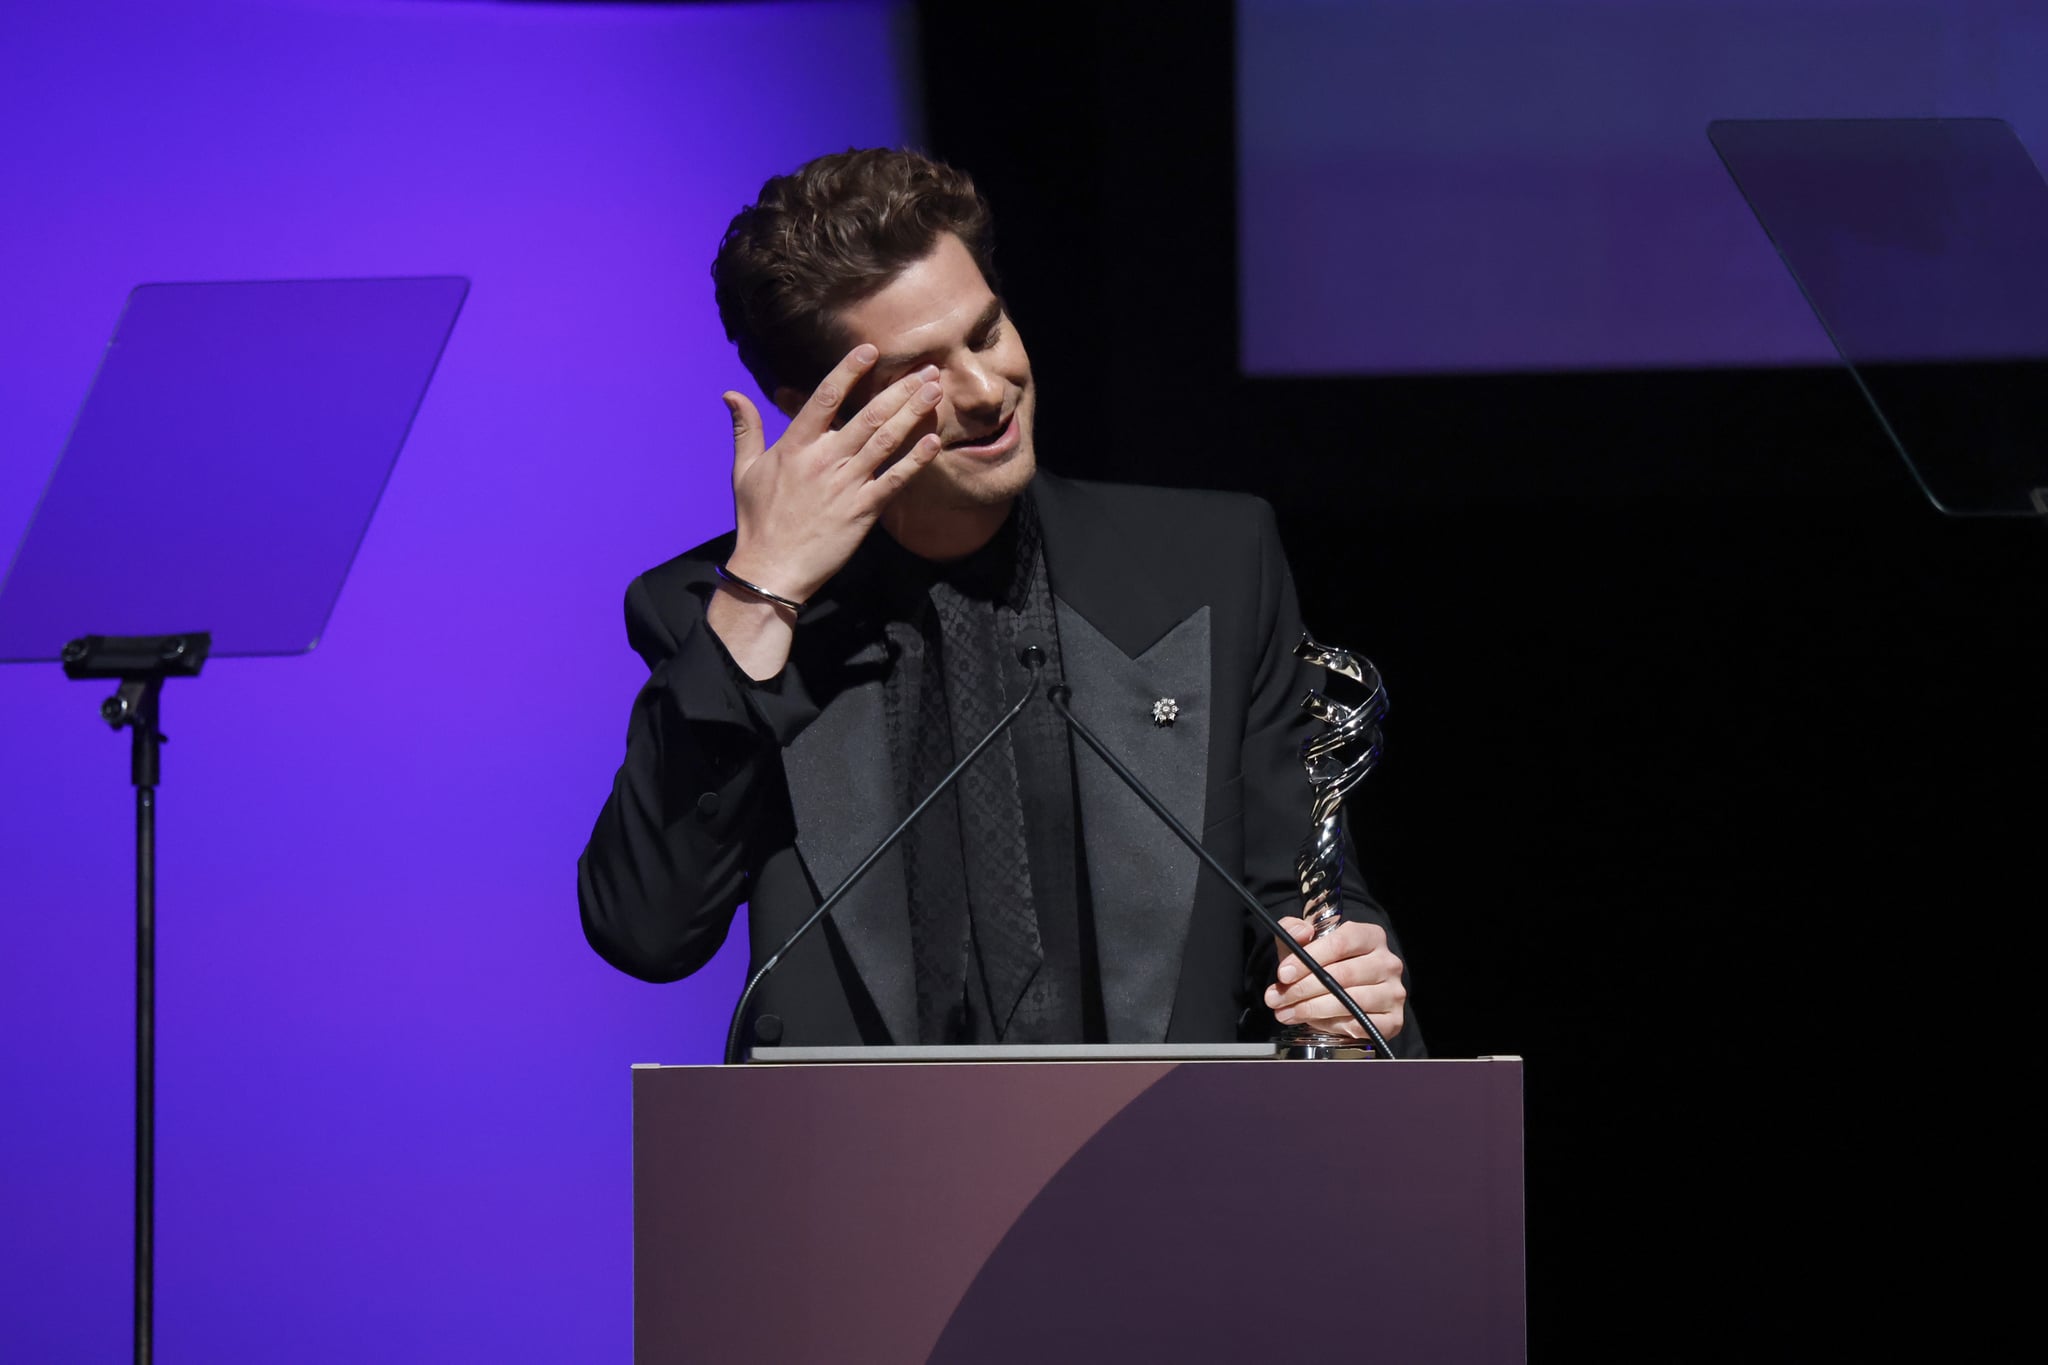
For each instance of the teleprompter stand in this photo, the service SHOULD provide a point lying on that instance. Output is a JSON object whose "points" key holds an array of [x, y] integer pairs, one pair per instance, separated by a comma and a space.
{"points": [[222, 471], [141, 663]]}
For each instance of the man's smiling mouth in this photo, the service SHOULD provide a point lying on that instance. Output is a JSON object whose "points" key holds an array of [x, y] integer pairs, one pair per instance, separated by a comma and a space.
{"points": [[993, 436]]}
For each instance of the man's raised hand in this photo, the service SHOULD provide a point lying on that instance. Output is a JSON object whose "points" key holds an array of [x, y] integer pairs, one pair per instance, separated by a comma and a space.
{"points": [[804, 504]]}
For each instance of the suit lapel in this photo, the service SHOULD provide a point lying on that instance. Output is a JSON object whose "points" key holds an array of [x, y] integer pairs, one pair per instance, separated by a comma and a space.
{"points": [[1141, 879], [841, 790], [1124, 645]]}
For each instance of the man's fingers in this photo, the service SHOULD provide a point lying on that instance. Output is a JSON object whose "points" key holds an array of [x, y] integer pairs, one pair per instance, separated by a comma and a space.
{"points": [[1352, 938], [1370, 970], [814, 418], [1380, 993], [877, 411], [746, 428], [895, 429], [1389, 1024], [1380, 997], [1298, 929], [890, 481], [1385, 1003]]}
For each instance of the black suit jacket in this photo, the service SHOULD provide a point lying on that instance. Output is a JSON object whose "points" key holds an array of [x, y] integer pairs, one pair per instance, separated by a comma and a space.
{"points": [[771, 793]]}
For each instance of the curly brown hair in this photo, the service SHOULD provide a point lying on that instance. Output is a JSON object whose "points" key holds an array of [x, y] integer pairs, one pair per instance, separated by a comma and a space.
{"points": [[834, 231]]}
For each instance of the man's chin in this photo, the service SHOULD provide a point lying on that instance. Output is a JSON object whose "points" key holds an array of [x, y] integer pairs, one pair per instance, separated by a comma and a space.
{"points": [[980, 483]]}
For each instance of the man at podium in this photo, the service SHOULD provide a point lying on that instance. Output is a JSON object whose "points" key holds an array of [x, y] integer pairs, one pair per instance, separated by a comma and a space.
{"points": [[816, 671]]}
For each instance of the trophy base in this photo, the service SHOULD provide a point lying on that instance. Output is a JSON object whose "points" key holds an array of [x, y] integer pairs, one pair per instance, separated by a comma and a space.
{"points": [[1313, 1045]]}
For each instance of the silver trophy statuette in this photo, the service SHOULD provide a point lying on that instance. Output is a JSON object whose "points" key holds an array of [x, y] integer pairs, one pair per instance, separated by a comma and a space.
{"points": [[1337, 759]]}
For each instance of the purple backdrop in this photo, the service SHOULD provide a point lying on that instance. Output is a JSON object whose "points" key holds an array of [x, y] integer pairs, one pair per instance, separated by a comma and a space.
{"points": [[394, 1109], [1495, 184]]}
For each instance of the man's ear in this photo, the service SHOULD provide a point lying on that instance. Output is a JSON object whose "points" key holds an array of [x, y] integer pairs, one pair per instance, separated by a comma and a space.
{"points": [[787, 401]]}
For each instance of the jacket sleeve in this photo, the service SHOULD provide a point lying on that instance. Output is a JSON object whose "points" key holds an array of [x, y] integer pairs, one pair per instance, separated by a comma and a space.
{"points": [[698, 794], [1277, 791]]}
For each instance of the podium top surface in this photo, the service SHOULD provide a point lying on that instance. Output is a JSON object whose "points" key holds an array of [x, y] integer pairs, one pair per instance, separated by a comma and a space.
{"points": [[1063, 1054], [1011, 1052]]}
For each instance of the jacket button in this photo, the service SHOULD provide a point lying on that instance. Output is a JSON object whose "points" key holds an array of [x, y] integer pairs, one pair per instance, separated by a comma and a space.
{"points": [[707, 805]]}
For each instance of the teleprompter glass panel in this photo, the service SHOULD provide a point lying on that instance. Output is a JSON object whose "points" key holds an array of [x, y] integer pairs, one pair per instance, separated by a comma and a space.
{"points": [[1922, 246], [226, 463]]}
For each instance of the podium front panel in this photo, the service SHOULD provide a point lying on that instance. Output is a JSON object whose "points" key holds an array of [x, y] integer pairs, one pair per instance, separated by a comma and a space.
{"points": [[988, 1213]]}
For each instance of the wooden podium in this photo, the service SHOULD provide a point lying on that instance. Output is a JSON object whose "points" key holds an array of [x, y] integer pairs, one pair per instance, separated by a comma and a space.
{"points": [[1131, 1211]]}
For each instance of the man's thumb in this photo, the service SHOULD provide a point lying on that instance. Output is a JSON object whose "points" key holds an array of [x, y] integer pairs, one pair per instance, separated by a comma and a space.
{"points": [[746, 424]]}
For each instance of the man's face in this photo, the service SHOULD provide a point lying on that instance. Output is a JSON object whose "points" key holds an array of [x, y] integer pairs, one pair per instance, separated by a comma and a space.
{"points": [[941, 312]]}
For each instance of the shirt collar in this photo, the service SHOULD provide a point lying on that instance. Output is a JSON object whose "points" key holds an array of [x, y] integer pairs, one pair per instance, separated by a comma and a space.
{"points": [[1000, 571]]}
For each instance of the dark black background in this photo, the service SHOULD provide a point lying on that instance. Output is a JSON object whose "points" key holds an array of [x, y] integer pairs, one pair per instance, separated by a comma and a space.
{"points": [[1715, 760]]}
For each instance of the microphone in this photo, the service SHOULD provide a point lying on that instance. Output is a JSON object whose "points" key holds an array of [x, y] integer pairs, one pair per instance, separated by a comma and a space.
{"points": [[1033, 650], [1058, 695]]}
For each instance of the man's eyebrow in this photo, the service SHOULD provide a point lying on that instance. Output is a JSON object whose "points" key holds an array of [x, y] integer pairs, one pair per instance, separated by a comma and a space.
{"points": [[989, 317]]}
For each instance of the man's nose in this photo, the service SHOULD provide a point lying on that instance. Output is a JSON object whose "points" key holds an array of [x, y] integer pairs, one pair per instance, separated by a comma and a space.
{"points": [[975, 388]]}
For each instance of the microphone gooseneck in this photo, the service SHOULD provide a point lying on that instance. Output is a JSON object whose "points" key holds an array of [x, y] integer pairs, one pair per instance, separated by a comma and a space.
{"points": [[1032, 652]]}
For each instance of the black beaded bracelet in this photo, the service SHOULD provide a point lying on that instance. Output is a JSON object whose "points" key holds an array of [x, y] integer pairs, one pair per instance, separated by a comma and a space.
{"points": [[755, 588]]}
